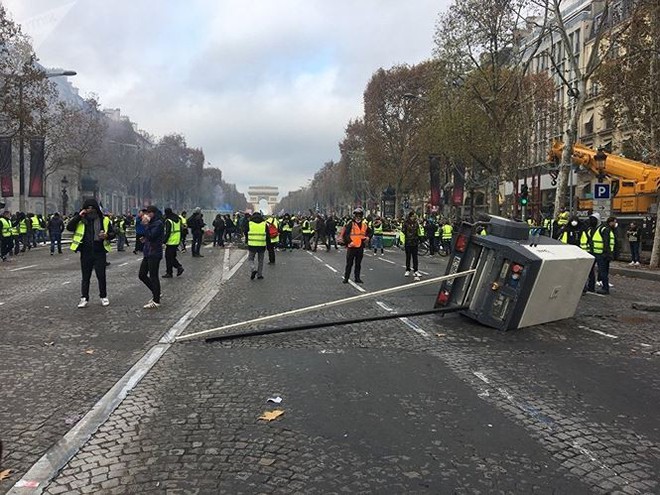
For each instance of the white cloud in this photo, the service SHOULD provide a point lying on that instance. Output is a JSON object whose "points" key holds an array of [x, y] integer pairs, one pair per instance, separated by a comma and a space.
{"points": [[264, 87]]}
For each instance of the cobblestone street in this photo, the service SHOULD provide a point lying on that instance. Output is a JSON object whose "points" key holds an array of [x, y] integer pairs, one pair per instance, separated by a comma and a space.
{"points": [[424, 405]]}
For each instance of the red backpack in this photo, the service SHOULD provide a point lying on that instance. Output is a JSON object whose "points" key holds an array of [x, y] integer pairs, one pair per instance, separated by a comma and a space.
{"points": [[272, 230]]}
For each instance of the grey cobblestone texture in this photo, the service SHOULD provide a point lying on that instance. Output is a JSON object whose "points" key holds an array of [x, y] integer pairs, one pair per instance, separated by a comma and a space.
{"points": [[378, 408]]}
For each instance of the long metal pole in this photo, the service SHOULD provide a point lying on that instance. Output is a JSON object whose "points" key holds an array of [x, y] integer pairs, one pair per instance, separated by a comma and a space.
{"points": [[325, 324], [325, 305]]}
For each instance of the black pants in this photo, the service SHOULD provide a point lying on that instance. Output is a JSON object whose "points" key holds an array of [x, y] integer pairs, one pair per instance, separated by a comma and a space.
{"points": [[7, 246], [286, 240], [138, 243], [353, 255], [92, 261], [332, 239], [170, 259], [219, 238], [271, 253], [411, 251], [184, 234], [196, 242], [149, 276], [323, 239]]}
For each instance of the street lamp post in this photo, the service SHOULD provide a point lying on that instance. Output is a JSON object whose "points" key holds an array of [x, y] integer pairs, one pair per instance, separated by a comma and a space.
{"points": [[65, 196], [21, 135]]}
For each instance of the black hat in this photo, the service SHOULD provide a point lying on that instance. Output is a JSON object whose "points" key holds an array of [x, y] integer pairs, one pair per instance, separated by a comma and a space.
{"points": [[90, 203]]}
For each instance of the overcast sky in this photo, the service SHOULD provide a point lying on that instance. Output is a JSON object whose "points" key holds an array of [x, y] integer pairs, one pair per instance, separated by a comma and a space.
{"points": [[265, 87]]}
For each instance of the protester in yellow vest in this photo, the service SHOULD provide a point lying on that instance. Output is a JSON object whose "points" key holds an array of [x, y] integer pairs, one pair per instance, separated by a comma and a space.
{"points": [[599, 241], [173, 229], [6, 232], [274, 239], [92, 233], [257, 241]]}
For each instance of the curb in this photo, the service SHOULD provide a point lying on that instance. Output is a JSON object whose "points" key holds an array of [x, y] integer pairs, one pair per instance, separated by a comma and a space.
{"points": [[632, 273]]}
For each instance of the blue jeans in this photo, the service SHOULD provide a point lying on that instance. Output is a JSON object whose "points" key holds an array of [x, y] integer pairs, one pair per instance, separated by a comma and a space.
{"points": [[603, 264], [55, 238], [377, 242], [634, 251]]}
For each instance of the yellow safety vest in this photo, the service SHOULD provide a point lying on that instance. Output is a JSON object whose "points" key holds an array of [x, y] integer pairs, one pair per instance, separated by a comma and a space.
{"points": [[307, 227], [257, 234], [378, 230], [22, 227], [597, 244], [36, 225], [6, 227], [447, 232], [175, 233], [80, 233], [562, 218], [184, 222]]}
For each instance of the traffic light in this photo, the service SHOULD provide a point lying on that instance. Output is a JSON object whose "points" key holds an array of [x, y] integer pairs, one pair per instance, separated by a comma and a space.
{"points": [[524, 195]]}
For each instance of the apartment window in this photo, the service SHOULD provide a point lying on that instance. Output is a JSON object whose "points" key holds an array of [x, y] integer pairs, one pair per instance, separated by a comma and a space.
{"points": [[589, 125]]}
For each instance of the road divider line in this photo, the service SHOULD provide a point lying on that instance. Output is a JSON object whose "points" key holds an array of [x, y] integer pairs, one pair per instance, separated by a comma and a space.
{"points": [[481, 376], [331, 268], [317, 258], [55, 458], [608, 335], [387, 261], [361, 289], [384, 306], [22, 268], [412, 325]]}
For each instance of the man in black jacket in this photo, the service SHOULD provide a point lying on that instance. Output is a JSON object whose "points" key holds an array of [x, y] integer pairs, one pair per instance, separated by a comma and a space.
{"points": [[92, 233], [55, 229], [196, 226]]}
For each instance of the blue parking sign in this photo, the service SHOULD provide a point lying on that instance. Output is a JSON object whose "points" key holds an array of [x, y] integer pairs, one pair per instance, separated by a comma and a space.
{"points": [[602, 191]]}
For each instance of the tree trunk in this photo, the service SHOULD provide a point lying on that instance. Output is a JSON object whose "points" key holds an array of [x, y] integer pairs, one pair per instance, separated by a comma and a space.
{"points": [[567, 155], [655, 253], [493, 197]]}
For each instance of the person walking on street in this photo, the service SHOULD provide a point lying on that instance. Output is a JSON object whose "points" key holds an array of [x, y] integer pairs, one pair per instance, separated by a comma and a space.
{"points": [[413, 233], [92, 233], [273, 230], [196, 225], [599, 241], [55, 229], [287, 232], [120, 226], [355, 236], [152, 251], [307, 233], [331, 232], [219, 231], [172, 240], [377, 239], [257, 241], [139, 232], [634, 239], [319, 229], [6, 233], [184, 230], [447, 233]]}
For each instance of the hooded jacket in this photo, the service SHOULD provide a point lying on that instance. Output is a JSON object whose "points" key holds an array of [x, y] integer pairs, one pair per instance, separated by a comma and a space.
{"points": [[90, 243]]}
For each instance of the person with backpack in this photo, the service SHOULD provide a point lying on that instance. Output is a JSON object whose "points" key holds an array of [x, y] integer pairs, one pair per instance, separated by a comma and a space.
{"points": [[273, 230]]}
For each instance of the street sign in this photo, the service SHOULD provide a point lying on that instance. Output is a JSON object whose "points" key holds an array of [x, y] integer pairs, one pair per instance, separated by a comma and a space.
{"points": [[603, 207], [601, 191]]}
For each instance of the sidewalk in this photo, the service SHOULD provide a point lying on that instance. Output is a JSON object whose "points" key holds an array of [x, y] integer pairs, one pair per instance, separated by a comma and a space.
{"points": [[624, 269]]}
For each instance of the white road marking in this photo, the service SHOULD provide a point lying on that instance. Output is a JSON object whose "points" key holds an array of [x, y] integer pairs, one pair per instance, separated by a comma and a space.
{"points": [[361, 289], [643, 345], [414, 326], [317, 258], [124, 264], [23, 268], [481, 376], [67, 282], [384, 306], [387, 261], [1, 303], [598, 332], [331, 268]]}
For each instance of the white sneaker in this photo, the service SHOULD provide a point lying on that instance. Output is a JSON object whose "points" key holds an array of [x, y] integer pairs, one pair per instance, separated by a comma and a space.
{"points": [[105, 301], [151, 305], [631, 263], [83, 303], [418, 275], [407, 274], [636, 263]]}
